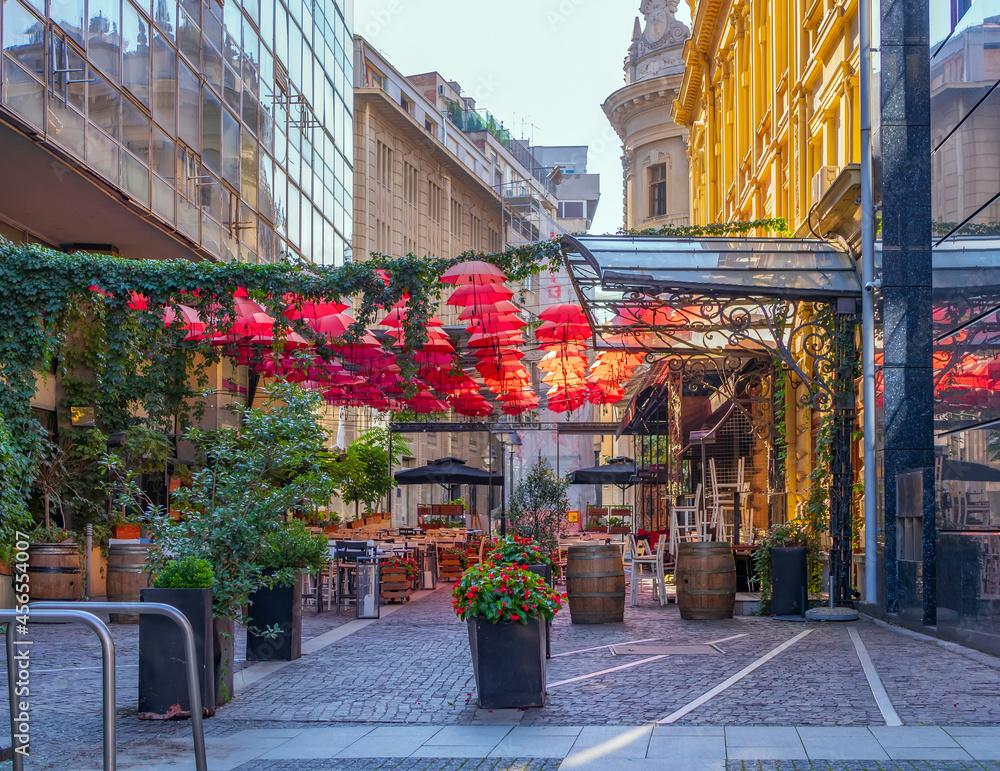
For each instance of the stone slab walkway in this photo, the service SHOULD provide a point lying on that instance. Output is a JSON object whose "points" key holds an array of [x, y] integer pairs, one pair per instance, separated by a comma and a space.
{"points": [[767, 692], [589, 748]]}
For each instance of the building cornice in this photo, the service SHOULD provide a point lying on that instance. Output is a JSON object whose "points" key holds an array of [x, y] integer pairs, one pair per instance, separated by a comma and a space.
{"points": [[638, 98], [698, 53]]}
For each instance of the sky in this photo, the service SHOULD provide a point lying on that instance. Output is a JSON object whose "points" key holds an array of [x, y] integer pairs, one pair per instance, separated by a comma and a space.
{"points": [[543, 67]]}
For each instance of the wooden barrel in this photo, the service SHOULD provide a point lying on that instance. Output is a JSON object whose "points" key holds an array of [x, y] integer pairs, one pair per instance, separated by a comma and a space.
{"points": [[126, 577], [595, 583], [706, 580], [54, 571]]}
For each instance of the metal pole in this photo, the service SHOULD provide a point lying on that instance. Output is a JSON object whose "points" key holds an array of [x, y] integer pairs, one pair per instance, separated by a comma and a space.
{"points": [[191, 663], [108, 665], [17, 760], [868, 299], [89, 547], [388, 495], [503, 493]]}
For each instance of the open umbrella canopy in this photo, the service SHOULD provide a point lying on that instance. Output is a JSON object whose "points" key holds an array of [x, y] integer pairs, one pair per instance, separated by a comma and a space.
{"points": [[447, 471], [619, 472]]}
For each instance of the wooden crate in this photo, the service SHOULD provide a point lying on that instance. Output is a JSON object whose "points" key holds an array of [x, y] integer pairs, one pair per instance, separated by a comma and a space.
{"points": [[451, 567], [395, 587]]}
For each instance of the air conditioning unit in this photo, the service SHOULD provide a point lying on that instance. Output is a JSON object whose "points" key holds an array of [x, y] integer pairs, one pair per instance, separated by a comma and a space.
{"points": [[822, 180]]}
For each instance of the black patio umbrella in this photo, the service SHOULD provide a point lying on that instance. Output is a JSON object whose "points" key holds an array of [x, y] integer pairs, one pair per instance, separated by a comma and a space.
{"points": [[963, 471], [620, 472], [447, 471]]}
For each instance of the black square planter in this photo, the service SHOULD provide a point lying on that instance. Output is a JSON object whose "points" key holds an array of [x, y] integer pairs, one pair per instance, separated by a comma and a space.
{"points": [[789, 581], [508, 659], [163, 688], [279, 606]]}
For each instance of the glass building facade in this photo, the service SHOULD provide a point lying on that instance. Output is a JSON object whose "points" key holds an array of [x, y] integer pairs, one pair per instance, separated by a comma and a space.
{"points": [[231, 124]]}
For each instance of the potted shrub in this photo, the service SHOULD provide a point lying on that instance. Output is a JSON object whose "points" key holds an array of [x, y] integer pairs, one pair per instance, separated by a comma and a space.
{"points": [[186, 584], [781, 568], [506, 608], [274, 611], [397, 574]]}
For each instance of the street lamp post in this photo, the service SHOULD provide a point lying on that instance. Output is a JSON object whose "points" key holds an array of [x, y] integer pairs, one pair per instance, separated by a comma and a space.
{"points": [[503, 490], [488, 457], [513, 442]]}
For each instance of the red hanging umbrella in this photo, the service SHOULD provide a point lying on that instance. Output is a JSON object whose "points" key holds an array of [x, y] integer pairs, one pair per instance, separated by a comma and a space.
{"points": [[551, 332], [189, 320], [473, 272], [298, 308], [500, 339], [479, 294], [564, 313]]}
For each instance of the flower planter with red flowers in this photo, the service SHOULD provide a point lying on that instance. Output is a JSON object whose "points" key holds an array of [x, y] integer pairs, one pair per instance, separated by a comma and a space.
{"points": [[506, 608], [397, 575]]}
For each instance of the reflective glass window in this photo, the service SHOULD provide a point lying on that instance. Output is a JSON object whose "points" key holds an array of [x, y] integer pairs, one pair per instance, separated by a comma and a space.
{"points": [[189, 38], [231, 165], [102, 154], [164, 83], [135, 53], [189, 109], [165, 17], [294, 214], [232, 87], [104, 36], [249, 168], [265, 187], [68, 14], [212, 66], [163, 154], [163, 200], [22, 93], [135, 131], [24, 37], [211, 130], [104, 107], [135, 178]]}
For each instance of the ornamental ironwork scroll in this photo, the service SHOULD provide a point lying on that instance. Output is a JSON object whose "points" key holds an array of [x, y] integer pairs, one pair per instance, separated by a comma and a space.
{"points": [[797, 332]]}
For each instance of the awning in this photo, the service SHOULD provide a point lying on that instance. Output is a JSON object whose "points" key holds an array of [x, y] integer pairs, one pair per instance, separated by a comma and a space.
{"points": [[774, 267], [620, 472], [447, 471]]}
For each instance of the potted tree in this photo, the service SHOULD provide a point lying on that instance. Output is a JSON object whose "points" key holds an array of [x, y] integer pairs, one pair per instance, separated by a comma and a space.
{"points": [[538, 506], [186, 584], [274, 613], [272, 462], [506, 608]]}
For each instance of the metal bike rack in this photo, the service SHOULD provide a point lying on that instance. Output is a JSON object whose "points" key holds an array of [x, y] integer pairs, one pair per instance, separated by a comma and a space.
{"points": [[191, 663], [60, 616]]}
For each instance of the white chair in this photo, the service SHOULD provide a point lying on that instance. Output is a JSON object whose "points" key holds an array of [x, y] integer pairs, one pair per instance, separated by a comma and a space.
{"points": [[649, 568], [687, 522]]}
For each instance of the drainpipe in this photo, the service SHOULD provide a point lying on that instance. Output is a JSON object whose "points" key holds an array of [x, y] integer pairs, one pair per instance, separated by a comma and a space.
{"points": [[868, 297]]}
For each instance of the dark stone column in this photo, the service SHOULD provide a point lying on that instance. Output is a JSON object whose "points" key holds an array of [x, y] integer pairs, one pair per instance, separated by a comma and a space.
{"points": [[842, 466], [906, 255]]}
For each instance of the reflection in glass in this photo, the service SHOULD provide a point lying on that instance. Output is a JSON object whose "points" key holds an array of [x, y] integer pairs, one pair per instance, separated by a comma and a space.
{"points": [[164, 83], [68, 14], [22, 93], [135, 178], [136, 53], [104, 107], [102, 154], [163, 199], [249, 166], [189, 38], [211, 130], [104, 36], [231, 149]]}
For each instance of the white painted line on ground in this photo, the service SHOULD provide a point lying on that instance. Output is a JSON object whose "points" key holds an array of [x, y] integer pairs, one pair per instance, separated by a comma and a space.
{"points": [[673, 717], [607, 671], [595, 648], [715, 643], [889, 713]]}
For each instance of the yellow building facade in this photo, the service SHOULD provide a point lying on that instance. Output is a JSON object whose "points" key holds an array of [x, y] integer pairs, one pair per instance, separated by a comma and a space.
{"points": [[770, 100]]}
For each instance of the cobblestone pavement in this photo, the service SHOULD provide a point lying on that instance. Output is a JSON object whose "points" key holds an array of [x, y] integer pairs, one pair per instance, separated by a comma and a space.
{"points": [[863, 765], [413, 667], [411, 764]]}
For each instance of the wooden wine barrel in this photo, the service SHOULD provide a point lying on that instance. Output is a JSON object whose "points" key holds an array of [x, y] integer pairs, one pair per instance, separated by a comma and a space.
{"points": [[595, 583], [126, 562], [54, 571], [706, 580]]}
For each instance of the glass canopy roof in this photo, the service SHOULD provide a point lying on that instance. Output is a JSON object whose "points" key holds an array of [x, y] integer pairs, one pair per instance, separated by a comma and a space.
{"points": [[793, 268]]}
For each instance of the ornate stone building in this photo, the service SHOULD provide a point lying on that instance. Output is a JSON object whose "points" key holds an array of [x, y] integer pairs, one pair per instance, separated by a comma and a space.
{"points": [[655, 163]]}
